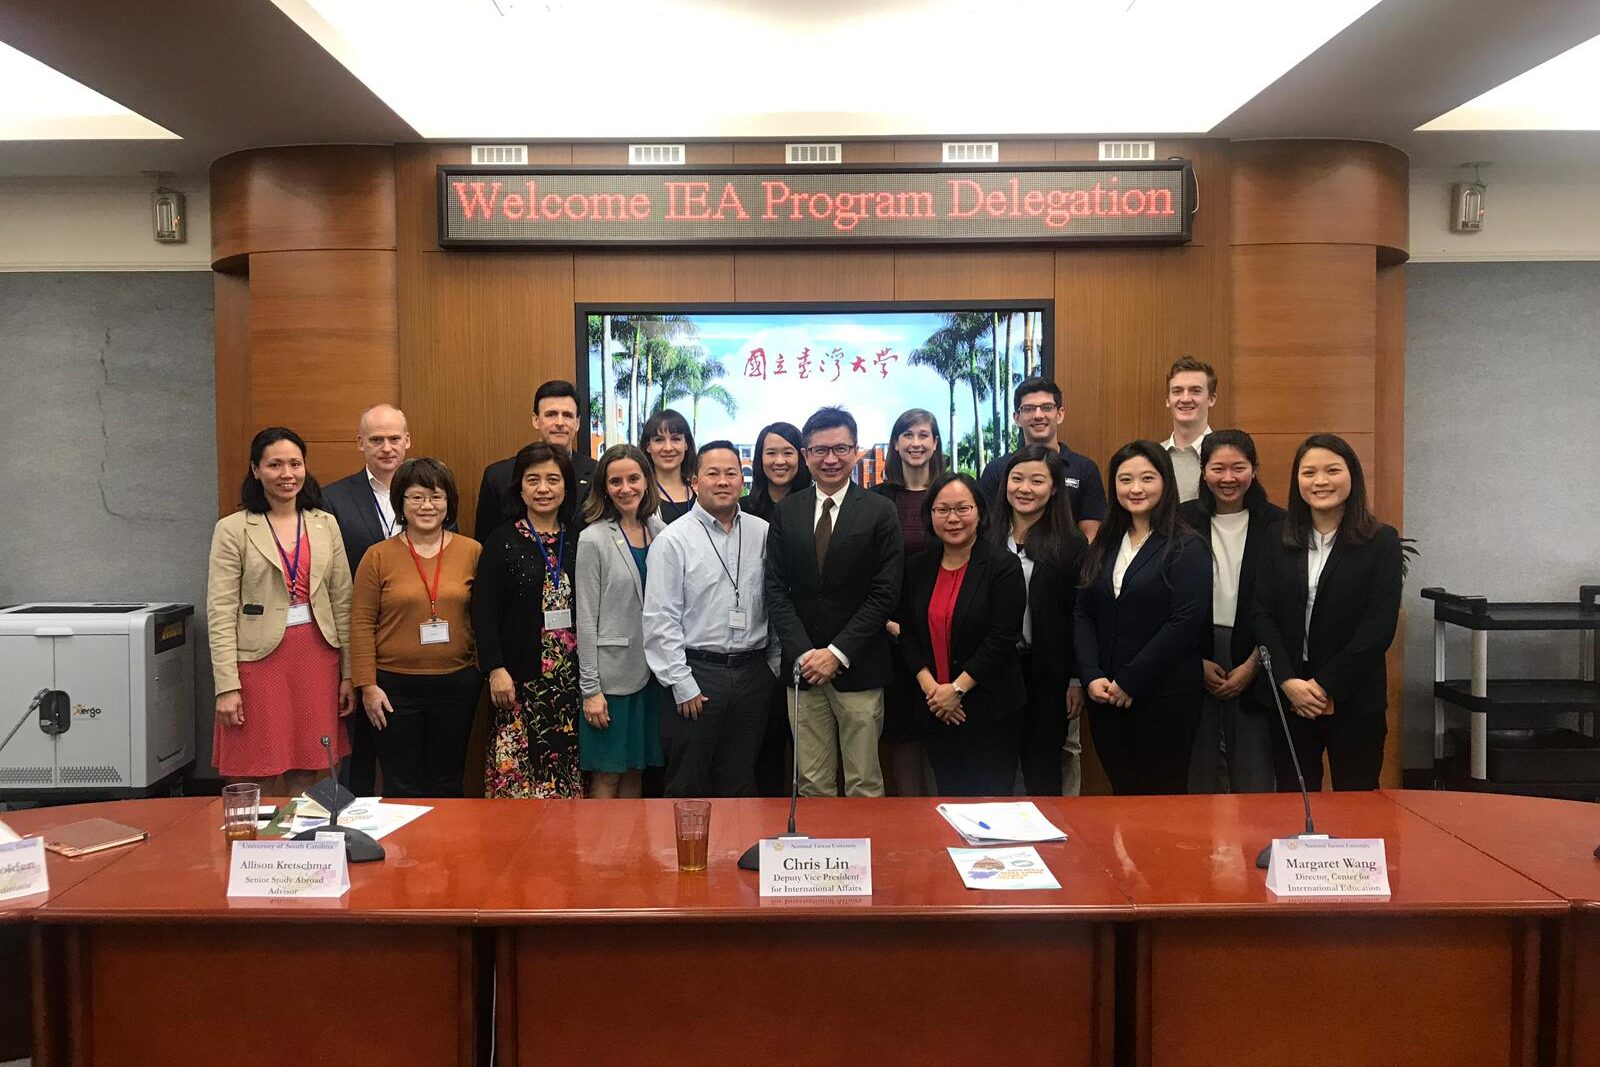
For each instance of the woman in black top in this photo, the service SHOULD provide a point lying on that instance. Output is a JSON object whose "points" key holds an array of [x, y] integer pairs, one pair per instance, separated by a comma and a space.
{"points": [[1327, 601], [779, 468], [522, 620], [916, 458], [1232, 514], [961, 618], [1033, 519], [667, 440], [1141, 607]]}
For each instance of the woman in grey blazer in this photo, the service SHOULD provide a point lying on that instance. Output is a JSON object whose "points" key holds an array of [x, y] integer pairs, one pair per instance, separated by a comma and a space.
{"points": [[620, 732]]}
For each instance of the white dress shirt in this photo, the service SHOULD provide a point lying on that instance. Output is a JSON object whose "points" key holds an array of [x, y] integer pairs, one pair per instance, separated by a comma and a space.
{"points": [[1316, 558], [690, 594], [1125, 554], [1228, 535], [1027, 585], [380, 494], [816, 517], [1186, 464]]}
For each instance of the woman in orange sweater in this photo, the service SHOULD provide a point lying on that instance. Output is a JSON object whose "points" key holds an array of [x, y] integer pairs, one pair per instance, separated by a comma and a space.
{"points": [[412, 652]]}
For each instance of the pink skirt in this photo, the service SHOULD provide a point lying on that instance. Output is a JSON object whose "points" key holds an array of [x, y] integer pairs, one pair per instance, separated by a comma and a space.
{"points": [[291, 701]]}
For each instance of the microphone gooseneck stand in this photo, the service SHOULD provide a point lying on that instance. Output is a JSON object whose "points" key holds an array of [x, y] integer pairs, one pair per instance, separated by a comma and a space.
{"points": [[751, 860], [359, 847], [1264, 857]]}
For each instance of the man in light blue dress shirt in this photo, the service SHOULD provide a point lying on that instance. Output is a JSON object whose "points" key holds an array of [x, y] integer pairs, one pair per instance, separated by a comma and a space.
{"points": [[706, 635]]}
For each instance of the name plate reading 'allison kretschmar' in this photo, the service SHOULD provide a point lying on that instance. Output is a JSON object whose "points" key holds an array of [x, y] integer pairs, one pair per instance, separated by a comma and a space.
{"points": [[1332, 867], [816, 867], [22, 868], [300, 869]]}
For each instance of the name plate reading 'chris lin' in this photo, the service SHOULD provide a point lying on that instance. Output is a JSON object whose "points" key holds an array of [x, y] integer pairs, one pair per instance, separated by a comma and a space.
{"points": [[22, 868], [289, 869], [816, 867], [1348, 867]]}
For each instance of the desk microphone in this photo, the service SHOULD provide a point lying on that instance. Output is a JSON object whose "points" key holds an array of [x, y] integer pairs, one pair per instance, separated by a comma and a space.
{"points": [[359, 847], [751, 860], [1264, 858]]}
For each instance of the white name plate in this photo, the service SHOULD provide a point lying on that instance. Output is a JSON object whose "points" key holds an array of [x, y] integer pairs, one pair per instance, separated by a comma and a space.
{"points": [[300, 869], [22, 868], [816, 867], [1332, 867]]}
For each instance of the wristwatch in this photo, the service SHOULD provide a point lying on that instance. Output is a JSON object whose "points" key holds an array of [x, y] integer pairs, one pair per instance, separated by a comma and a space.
{"points": [[961, 694]]}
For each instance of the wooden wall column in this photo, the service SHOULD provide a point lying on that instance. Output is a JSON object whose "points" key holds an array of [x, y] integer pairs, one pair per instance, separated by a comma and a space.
{"points": [[1319, 234], [302, 242]]}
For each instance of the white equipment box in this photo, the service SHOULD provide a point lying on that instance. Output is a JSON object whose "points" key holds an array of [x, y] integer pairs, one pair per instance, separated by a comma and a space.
{"points": [[104, 694]]}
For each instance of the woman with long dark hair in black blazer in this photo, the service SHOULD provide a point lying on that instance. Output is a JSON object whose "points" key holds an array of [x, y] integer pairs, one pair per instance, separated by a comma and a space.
{"points": [[1141, 607], [1327, 601], [961, 618], [1034, 520], [777, 469], [1232, 515]]}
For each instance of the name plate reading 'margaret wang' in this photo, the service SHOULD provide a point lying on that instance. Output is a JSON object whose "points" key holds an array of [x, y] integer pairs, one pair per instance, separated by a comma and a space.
{"points": [[1149, 203], [1328, 867]]}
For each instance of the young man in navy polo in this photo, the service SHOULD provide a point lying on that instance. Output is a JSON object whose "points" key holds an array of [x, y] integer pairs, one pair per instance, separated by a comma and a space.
{"points": [[1037, 411]]}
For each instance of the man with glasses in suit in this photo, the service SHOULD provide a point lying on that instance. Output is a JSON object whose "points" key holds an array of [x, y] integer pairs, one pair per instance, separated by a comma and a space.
{"points": [[834, 566]]}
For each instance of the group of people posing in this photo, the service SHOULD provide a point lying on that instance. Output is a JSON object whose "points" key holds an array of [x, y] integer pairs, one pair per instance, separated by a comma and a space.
{"points": [[645, 625]]}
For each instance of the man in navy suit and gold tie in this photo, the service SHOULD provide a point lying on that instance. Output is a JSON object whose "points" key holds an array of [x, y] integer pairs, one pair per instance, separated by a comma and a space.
{"points": [[366, 517]]}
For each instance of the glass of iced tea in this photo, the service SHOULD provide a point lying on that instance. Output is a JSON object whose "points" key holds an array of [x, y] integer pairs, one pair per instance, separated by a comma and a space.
{"points": [[241, 804], [692, 819]]}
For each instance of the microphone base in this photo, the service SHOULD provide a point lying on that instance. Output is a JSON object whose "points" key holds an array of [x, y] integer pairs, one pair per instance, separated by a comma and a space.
{"points": [[359, 847], [751, 859], [1597, 852], [1264, 857]]}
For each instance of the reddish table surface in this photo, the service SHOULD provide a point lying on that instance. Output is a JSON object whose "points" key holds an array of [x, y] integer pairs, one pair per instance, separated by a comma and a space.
{"points": [[155, 817], [1549, 841]]}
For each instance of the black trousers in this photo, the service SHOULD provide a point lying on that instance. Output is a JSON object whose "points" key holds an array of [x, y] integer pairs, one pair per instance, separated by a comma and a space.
{"points": [[361, 766], [1353, 742], [423, 750], [715, 755], [771, 777], [1145, 749], [975, 759], [1044, 731]]}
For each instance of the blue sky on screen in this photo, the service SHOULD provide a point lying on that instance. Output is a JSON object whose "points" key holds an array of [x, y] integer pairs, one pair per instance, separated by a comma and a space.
{"points": [[861, 360]]}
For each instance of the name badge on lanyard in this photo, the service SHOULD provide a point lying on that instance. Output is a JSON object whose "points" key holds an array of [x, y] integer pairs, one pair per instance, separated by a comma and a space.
{"points": [[554, 618], [299, 614], [435, 631]]}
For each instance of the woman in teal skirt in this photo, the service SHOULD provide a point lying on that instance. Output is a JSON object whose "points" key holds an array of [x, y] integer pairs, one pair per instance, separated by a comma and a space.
{"points": [[620, 731]]}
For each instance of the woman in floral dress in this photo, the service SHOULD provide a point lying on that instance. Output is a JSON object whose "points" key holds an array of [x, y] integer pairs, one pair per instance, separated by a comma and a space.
{"points": [[522, 617]]}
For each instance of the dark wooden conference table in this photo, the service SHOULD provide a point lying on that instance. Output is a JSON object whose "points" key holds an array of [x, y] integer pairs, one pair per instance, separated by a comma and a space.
{"points": [[568, 924]]}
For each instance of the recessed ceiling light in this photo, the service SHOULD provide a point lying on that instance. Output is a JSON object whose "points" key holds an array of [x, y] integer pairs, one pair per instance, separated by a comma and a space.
{"points": [[42, 104], [774, 68], [1559, 94]]}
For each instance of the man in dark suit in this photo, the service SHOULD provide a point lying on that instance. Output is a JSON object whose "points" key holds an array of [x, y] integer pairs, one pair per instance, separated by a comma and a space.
{"points": [[834, 566], [366, 516], [555, 419]]}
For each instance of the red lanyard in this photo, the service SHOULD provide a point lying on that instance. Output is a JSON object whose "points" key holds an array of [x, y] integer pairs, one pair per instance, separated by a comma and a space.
{"points": [[438, 567], [291, 568]]}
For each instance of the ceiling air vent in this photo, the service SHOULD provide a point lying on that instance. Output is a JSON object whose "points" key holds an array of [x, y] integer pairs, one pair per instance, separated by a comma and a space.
{"points": [[814, 153], [1126, 151], [655, 155], [499, 155], [972, 151]]}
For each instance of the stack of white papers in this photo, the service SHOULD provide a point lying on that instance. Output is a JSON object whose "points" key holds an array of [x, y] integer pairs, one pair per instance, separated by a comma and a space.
{"points": [[1002, 868], [1000, 823], [368, 814]]}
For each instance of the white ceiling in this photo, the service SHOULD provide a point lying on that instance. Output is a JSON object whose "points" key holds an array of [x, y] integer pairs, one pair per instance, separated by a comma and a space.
{"points": [[231, 74]]}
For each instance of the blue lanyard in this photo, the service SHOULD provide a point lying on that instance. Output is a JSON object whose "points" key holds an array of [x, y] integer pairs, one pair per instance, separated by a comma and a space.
{"points": [[291, 568], [561, 554]]}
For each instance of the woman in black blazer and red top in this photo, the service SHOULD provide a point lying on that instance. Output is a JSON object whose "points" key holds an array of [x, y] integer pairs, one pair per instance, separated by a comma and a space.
{"points": [[1232, 516], [1137, 628], [1327, 601], [961, 619], [1034, 521]]}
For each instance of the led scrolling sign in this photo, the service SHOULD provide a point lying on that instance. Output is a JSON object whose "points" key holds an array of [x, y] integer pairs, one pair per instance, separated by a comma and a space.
{"points": [[1043, 204]]}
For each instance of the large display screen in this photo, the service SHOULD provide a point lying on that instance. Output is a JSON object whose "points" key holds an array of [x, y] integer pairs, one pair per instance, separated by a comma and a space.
{"points": [[732, 369]]}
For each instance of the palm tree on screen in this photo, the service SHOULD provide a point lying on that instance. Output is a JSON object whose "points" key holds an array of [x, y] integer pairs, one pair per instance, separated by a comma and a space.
{"points": [[941, 353]]}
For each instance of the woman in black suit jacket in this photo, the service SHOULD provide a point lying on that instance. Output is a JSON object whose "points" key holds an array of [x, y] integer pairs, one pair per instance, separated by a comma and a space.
{"points": [[1034, 520], [1137, 627], [1232, 515], [1333, 563], [960, 621]]}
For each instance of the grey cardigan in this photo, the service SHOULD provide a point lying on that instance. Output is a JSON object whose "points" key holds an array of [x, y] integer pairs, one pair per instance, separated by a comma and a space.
{"points": [[610, 611]]}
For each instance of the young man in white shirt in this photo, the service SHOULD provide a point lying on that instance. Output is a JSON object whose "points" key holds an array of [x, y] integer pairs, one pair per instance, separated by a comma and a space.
{"points": [[1191, 394]]}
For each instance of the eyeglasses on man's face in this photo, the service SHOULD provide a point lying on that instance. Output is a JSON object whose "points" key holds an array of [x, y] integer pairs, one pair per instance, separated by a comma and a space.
{"points": [[1037, 409], [824, 451]]}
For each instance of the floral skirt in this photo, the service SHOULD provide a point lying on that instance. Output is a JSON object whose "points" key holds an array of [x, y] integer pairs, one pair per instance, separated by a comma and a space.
{"points": [[533, 750]]}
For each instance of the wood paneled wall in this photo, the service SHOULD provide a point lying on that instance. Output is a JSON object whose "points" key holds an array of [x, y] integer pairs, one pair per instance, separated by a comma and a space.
{"points": [[335, 295]]}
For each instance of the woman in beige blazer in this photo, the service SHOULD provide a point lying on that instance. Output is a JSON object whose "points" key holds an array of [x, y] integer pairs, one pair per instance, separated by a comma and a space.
{"points": [[620, 732], [278, 611]]}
